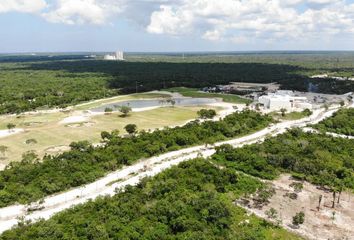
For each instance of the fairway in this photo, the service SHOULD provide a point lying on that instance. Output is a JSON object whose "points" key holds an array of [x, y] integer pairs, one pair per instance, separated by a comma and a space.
{"points": [[192, 92], [52, 136]]}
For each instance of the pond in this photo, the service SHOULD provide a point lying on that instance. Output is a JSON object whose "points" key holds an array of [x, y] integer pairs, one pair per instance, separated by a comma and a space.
{"points": [[157, 103]]}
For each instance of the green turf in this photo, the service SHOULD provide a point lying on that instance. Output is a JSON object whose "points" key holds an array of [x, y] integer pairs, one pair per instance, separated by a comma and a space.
{"points": [[193, 92]]}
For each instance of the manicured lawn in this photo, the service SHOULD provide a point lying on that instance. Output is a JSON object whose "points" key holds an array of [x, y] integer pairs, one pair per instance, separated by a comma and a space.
{"points": [[49, 133], [193, 92]]}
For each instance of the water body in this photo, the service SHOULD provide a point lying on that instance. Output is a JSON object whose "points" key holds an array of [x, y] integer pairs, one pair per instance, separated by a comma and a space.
{"points": [[157, 103]]}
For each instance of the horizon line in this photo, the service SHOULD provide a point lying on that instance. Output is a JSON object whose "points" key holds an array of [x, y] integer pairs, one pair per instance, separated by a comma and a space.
{"points": [[181, 52]]}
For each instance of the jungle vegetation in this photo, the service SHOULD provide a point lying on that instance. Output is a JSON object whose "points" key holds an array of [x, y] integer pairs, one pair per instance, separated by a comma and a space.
{"points": [[317, 158], [32, 178], [191, 201], [32, 82]]}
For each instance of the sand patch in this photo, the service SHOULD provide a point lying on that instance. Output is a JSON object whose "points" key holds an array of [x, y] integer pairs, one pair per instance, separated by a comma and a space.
{"points": [[6, 133], [74, 119]]}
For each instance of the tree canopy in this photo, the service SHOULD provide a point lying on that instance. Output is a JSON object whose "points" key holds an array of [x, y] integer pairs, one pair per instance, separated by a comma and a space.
{"points": [[318, 158], [191, 201], [30, 180]]}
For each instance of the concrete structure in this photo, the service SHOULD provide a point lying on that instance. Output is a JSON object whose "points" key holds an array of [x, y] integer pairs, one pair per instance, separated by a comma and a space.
{"points": [[333, 77], [250, 87], [117, 56], [284, 99]]}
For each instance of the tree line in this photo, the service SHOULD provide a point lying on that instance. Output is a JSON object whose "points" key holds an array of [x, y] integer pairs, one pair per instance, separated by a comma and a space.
{"points": [[32, 178], [27, 86]]}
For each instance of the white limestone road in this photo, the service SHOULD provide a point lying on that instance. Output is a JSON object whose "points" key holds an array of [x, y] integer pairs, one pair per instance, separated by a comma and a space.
{"points": [[6, 133], [312, 130], [131, 175]]}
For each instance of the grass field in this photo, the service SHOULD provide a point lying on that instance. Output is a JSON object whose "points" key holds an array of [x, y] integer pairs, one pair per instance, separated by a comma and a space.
{"points": [[192, 92], [50, 134]]}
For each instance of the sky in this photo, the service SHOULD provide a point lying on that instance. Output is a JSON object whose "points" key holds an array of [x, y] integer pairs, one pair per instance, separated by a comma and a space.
{"points": [[175, 25]]}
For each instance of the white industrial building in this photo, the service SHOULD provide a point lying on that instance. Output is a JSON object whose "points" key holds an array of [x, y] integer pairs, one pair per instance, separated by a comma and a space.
{"points": [[117, 56], [284, 99]]}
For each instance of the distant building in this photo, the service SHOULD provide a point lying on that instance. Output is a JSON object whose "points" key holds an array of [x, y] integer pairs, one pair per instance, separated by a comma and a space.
{"points": [[245, 87], [283, 99], [117, 56]]}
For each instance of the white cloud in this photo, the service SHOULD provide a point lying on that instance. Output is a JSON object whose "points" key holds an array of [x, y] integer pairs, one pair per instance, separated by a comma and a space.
{"points": [[27, 6], [215, 20], [83, 11], [236, 20], [169, 21]]}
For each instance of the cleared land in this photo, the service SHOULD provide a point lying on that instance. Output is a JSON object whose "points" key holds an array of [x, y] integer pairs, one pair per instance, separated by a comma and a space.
{"points": [[320, 224]]}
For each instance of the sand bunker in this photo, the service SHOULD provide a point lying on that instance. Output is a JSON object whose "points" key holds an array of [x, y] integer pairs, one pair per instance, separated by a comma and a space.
{"points": [[81, 124], [6, 133], [74, 119]]}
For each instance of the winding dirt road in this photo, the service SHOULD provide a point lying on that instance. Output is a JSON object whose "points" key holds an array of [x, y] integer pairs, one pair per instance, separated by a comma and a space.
{"points": [[131, 175]]}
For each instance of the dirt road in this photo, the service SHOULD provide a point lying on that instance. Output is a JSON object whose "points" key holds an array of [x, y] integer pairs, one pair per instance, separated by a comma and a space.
{"points": [[131, 175]]}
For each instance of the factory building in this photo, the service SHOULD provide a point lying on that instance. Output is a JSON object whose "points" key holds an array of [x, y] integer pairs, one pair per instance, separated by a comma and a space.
{"points": [[117, 56], [283, 99]]}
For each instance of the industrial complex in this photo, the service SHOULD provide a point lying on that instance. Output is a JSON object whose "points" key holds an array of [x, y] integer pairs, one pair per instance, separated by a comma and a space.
{"points": [[284, 100], [117, 56]]}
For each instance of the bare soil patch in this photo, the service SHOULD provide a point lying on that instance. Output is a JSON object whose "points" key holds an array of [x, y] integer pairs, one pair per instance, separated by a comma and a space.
{"points": [[323, 223]]}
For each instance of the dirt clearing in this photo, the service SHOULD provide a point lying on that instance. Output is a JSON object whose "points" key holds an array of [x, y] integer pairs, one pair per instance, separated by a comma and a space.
{"points": [[323, 223]]}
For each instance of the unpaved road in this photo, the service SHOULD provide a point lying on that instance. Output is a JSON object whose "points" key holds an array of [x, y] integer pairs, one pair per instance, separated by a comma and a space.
{"points": [[336, 135], [131, 175]]}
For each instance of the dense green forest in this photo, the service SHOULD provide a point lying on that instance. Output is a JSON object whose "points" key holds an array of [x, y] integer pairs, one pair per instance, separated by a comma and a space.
{"points": [[342, 122], [191, 201], [29, 82], [31, 179], [319, 159], [157, 75], [25, 90]]}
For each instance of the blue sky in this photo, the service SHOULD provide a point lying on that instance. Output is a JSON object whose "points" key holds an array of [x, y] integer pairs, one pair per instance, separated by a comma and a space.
{"points": [[175, 25]]}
